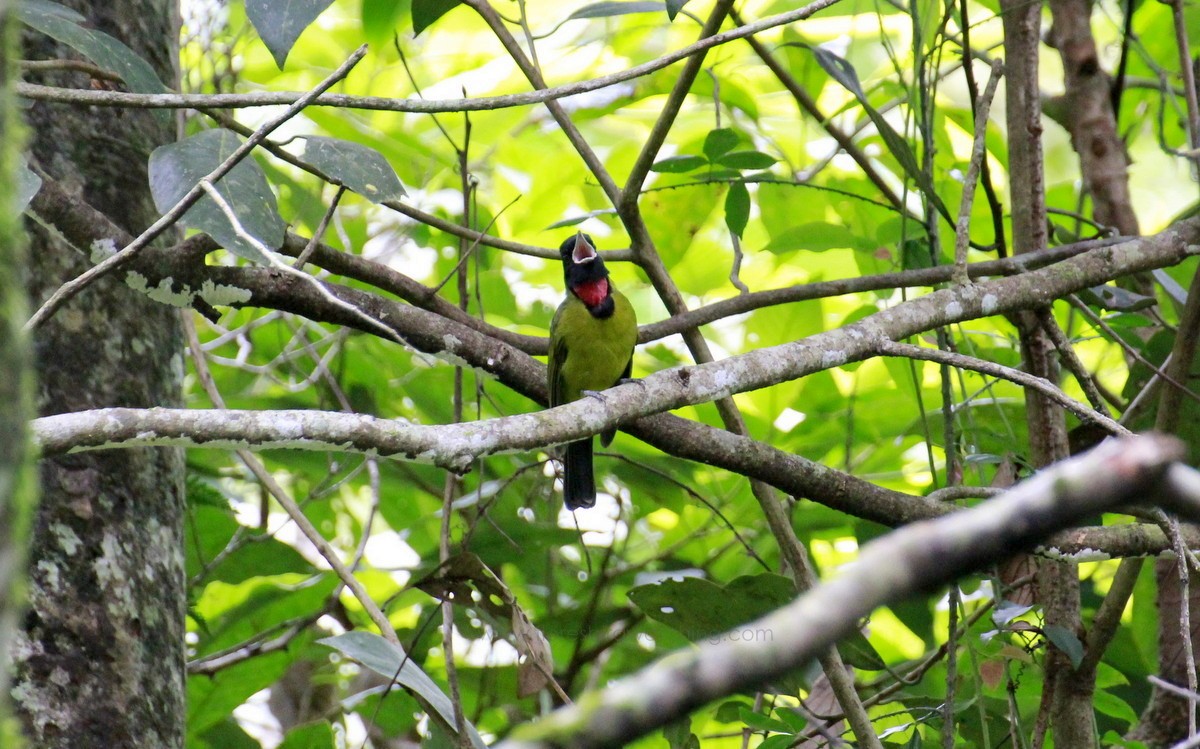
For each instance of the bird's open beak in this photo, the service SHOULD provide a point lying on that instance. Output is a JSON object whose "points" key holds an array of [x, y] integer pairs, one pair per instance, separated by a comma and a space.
{"points": [[583, 252]]}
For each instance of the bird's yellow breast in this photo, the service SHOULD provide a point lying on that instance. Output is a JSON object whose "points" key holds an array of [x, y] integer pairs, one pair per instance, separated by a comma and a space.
{"points": [[589, 353]]}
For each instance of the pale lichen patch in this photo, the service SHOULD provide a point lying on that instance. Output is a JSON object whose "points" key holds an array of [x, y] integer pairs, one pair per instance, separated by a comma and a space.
{"points": [[101, 250], [67, 539], [112, 576], [954, 308], [988, 304], [223, 295], [50, 575], [833, 357]]}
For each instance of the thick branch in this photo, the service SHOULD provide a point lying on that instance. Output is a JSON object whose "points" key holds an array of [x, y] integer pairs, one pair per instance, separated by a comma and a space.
{"points": [[917, 557]]}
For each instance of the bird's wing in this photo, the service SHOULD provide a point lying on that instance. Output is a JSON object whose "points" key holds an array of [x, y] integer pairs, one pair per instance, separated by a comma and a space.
{"points": [[558, 355]]}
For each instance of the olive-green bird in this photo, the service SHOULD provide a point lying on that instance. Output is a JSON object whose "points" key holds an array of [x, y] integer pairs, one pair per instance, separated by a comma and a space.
{"points": [[591, 349]]}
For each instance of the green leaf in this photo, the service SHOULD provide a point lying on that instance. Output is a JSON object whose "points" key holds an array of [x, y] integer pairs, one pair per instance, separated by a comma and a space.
{"points": [[279, 25], [817, 236], [686, 604], [674, 6], [843, 72], [606, 9], [1066, 641], [210, 531], [760, 722], [858, 651], [678, 734], [1112, 705], [176, 167], [425, 12], [747, 160], [729, 712], [360, 168], [720, 142], [737, 207], [309, 736], [380, 18], [391, 662], [27, 186], [679, 164], [64, 25]]}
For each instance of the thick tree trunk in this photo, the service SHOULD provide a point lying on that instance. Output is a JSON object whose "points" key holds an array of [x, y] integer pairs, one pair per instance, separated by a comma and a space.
{"points": [[101, 660]]}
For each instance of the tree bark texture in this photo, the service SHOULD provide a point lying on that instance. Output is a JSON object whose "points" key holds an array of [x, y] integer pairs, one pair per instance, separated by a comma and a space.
{"points": [[1090, 117], [100, 662], [1069, 704]]}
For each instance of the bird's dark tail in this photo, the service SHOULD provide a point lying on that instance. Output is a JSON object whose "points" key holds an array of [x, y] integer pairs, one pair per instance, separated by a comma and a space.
{"points": [[579, 483]]}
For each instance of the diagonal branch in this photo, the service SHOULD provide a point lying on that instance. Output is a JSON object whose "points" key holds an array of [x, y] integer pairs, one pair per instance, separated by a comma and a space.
{"points": [[911, 559]]}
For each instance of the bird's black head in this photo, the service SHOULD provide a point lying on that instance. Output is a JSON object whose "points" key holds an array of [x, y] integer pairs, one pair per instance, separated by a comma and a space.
{"points": [[585, 274]]}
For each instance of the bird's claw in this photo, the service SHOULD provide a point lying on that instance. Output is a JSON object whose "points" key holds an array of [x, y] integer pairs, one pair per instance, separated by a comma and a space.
{"points": [[631, 381], [594, 394]]}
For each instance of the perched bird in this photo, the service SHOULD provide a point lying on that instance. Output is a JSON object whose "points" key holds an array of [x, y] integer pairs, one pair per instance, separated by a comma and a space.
{"points": [[591, 349]]}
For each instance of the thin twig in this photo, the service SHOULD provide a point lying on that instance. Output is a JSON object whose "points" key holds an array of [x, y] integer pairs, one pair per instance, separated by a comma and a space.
{"points": [[962, 228], [321, 227], [1043, 386], [73, 287]]}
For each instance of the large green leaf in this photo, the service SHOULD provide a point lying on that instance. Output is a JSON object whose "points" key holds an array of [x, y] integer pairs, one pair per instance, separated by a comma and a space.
{"points": [[390, 661], [360, 168], [279, 25], [177, 167], [65, 25], [686, 604], [212, 528]]}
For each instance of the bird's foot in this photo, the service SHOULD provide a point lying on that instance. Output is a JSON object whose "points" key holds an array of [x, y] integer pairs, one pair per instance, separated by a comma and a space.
{"points": [[631, 381], [594, 394]]}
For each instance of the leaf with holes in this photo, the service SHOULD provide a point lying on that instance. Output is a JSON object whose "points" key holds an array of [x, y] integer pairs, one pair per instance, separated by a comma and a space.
{"points": [[279, 25], [391, 662], [177, 167], [360, 168], [686, 605]]}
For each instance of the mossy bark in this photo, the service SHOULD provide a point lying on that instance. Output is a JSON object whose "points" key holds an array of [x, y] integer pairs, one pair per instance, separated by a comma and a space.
{"points": [[100, 661]]}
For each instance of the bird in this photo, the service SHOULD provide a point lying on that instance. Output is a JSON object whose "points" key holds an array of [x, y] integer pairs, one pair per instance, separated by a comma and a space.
{"points": [[591, 349]]}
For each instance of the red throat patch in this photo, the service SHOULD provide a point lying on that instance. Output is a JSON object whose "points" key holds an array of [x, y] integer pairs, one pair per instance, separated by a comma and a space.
{"points": [[592, 293]]}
